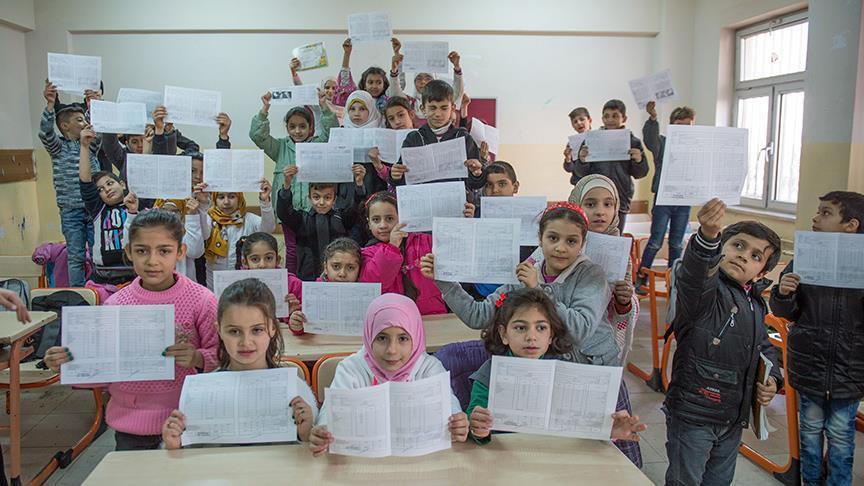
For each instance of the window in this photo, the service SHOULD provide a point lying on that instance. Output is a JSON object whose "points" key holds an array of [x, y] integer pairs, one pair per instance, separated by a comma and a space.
{"points": [[771, 59]]}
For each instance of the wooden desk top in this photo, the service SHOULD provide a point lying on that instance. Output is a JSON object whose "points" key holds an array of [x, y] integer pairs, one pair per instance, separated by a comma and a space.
{"points": [[11, 330], [516, 459], [440, 330]]}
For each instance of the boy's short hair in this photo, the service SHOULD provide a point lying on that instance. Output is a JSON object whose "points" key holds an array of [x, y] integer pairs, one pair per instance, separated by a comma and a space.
{"points": [[502, 167], [756, 230], [320, 186], [851, 206], [106, 173], [615, 105], [66, 113], [398, 101], [196, 155], [437, 90], [682, 113], [580, 111]]}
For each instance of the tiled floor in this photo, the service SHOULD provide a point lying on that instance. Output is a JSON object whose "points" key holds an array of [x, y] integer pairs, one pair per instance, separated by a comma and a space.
{"points": [[55, 417]]}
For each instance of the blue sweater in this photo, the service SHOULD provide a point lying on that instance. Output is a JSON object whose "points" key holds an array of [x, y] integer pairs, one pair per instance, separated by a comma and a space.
{"points": [[64, 160]]}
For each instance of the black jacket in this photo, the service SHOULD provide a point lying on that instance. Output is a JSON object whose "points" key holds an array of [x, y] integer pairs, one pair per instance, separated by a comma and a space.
{"points": [[826, 341], [656, 143], [620, 172], [714, 383]]}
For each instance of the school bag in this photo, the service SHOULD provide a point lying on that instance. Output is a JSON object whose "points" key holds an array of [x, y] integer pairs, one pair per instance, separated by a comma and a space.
{"points": [[50, 334], [18, 286]]}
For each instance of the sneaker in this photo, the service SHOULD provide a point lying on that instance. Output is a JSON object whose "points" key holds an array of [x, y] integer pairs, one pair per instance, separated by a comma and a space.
{"points": [[642, 285]]}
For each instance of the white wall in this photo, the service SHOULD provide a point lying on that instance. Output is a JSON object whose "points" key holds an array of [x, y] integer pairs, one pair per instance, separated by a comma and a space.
{"points": [[18, 14], [15, 127]]}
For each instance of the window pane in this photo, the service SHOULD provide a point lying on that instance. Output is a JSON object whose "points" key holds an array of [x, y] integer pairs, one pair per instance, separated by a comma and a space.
{"points": [[773, 52], [789, 147], [753, 115]]}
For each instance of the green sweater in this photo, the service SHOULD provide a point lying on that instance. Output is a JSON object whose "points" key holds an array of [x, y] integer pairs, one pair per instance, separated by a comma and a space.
{"points": [[479, 398]]}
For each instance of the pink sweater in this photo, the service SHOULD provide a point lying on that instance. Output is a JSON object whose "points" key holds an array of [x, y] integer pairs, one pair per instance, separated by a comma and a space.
{"points": [[379, 265], [140, 407]]}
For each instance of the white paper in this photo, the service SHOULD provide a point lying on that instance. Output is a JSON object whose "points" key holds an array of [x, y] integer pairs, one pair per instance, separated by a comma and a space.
{"points": [[110, 117], [187, 106], [74, 74], [476, 250], [553, 397], [337, 307], [575, 143], [388, 141], [324, 162], [656, 87], [151, 99], [369, 26], [830, 259], [239, 407], [425, 57], [117, 343], [229, 170], [608, 145], [765, 427], [159, 176], [275, 279], [394, 418], [701, 163], [418, 204], [436, 161], [610, 252], [482, 132], [527, 209], [311, 56], [305, 94]]}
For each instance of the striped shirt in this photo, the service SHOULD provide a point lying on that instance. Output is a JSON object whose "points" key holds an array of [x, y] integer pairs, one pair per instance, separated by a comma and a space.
{"points": [[64, 161]]}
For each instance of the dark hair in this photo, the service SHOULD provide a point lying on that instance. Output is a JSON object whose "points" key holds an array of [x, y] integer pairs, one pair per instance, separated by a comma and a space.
{"points": [[397, 102], [563, 213], [373, 71], [502, 167], [851, 206], [106, 173], [196, 155], [343, 244], [756, 230], [518, 299], [301, 111], [320, 186], [245, 244], [580, 111], [681, 113], [615, 105], [380, 196], [66, 113], [437, 90], [154, 218], [250, 292]]}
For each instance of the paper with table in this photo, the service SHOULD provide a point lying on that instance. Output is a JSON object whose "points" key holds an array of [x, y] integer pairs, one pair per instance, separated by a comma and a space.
{"points": [[610, 252], [389, 142], [759, 424], [324, 162], [575, 143], [656, 87], [110, 117], [607, 145], [476, 250], [553, 397], [239, 407], [159, 176], [337, 308], [74, 74], [436, 161], [369, 27], [425, 57], [275, 279], [117, 343], [230, 170], [701, 163], [527, 209], [303, 95], [391, 419], [151, 99], [187, 106], [482, 132], [311, 56], [830, 259], [418, 204]]}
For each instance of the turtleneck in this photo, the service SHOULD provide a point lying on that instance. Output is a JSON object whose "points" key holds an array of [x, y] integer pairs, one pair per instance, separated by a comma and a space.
{"points": [[439, 132]]}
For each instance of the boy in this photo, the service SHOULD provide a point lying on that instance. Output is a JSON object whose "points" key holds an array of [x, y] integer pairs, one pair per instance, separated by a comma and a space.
{"points": [[614, 117], [580, 120], [673, 217], [825, 349], [720, 328], [64, 151]]}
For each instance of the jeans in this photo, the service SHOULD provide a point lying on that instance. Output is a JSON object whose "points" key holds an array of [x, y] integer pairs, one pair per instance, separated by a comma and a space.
{"points": [[700, 454], [676, 219], [834, 419], [78, 231]]}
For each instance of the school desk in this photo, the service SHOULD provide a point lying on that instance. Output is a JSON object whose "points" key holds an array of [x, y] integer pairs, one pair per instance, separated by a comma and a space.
{"points": [[13, 334], [440, 330], [517, 459]]}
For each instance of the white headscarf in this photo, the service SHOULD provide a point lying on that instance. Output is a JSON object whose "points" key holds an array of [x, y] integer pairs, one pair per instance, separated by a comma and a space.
{"points": [[375, 119]]}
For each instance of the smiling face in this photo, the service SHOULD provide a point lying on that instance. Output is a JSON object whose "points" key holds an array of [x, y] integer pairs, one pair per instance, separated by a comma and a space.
{"points": [[329, 90], [438, 113], [342, 267], [744, 258], [399, 118], [391, 348], [111, 191], [375, 85], [420, 81], [613, 119], [261, 256], [322, 199], [581, 123], [599, 206], [382, 218], [197, 171], [71, 128], [561, 242], [246, 332], [358, 113], [298, 128], [227, 202], [154, 253], [500, 185], [528, 333]]}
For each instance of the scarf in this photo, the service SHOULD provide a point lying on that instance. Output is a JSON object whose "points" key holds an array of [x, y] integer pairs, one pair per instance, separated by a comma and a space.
{"points": [[180, 204], [393, 310], [375, 120], [585, 184], [217, 245]]}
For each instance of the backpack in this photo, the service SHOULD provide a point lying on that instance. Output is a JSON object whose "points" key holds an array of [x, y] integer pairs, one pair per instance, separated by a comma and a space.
{"points": [[18, 286], [50, 334]]}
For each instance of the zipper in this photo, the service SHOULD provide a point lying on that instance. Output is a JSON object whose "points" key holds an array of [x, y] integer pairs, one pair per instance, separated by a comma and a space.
{"points": [[730, 323], [830, 370]]}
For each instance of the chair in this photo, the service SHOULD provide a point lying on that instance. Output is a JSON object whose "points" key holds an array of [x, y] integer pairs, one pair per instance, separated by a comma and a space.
{"points": [[461, 360], [324, 371], [23, 267], [302, 369], [656, 379]]}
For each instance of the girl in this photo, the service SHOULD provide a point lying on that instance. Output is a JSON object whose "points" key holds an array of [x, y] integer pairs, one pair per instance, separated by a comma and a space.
{"points": [[327, 87], [398, 115], [228, 220], [360, 111], [260, 251], [193, 237], [137, 410], [249, 339], [527, 325], [374, 81], [394, 349]]}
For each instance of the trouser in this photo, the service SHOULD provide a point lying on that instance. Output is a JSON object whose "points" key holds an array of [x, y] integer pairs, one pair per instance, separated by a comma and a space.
{"points": [[78, 231], [834, 419], [675, 218], [132, 442], [700, 454]]}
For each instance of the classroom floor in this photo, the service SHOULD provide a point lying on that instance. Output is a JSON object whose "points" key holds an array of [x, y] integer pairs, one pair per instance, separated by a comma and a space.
{"points": [[56, 417]]}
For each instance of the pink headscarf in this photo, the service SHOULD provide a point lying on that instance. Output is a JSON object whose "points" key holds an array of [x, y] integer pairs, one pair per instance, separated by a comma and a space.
{"points": [[393, 310]]}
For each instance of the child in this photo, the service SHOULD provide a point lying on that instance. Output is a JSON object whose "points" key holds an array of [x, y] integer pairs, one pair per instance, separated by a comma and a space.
{"points": [[398, 115], [65, 152], [360, 111], [580, 119], [249, 339], [720, 329], [420, 80], [824, 351], [527, 325], [138, 409], [621, 172], [675, 217], [374, 81], [394, 349], [327, 87], [260, 251], [188, 212]]}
